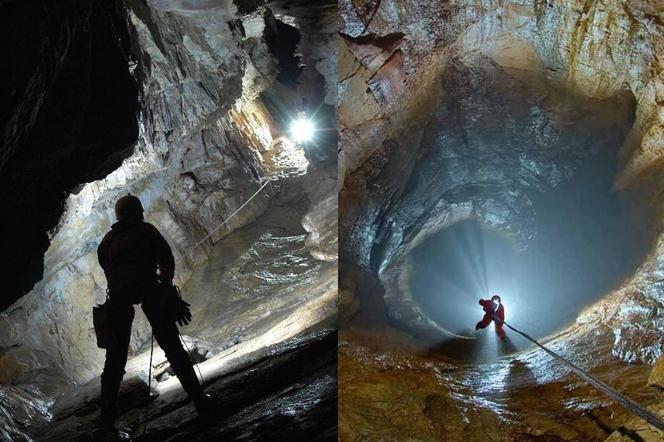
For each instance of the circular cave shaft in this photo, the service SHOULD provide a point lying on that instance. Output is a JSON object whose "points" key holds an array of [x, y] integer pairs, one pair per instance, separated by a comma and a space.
{"points": [[586, 243], [509, 148], [502, 182], [513, 195]]}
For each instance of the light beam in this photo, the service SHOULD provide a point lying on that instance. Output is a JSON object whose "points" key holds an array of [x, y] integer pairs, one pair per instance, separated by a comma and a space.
{"points": [[302, 129]]}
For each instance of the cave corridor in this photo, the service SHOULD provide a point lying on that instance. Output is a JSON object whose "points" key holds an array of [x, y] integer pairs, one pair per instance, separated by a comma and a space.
{"points": [[190, 107]]}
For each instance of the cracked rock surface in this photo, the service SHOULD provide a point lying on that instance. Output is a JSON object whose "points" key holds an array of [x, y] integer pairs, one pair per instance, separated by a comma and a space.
{"points": [[426, 89], [247, 212]]}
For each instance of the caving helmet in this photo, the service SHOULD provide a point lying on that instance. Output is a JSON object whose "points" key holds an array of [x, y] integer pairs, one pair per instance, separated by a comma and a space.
{"points": [[128, 207]]}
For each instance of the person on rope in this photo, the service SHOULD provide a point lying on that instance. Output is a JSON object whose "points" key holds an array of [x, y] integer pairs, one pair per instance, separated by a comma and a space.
{"points": [[130, 255], [493, 311]]}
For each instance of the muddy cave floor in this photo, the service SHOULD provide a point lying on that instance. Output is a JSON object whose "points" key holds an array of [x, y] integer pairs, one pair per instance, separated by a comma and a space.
{"points": [[390, 391]]}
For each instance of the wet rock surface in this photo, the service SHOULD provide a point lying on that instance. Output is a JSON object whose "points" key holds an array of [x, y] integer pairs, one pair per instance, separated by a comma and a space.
{"points": [[287, 390], [219, 177], [394, 65]]}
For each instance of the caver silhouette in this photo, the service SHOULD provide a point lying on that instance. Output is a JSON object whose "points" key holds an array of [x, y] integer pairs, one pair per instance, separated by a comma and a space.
{"points": [[493, 311], [139, 268]]}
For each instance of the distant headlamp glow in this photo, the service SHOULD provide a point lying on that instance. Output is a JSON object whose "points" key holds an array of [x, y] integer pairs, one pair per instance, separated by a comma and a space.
{"points": [[302, 129]]}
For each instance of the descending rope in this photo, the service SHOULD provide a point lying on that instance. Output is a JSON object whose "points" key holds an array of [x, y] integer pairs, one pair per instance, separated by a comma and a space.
{"points": [[226, 220], [206, 237], [623, 400], [147, 407]]}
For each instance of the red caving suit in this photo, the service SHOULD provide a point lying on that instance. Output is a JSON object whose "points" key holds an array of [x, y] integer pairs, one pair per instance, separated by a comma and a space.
{"points": [[488, 306]]}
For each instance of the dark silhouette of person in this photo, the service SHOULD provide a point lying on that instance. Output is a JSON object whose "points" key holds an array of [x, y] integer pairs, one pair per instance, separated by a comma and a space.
{"points": [[493, 311], [130, 255]]}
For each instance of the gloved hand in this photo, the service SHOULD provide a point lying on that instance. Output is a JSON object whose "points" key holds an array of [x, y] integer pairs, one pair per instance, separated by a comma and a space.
{"points": [[182, 312]]}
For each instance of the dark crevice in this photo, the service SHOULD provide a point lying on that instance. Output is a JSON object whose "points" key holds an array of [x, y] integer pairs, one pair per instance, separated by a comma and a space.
{"points": [[387, 42], [71, 71], [631, 434], [282, 40]]}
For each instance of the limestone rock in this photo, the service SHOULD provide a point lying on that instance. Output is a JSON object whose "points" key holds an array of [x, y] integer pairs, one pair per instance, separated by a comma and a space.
{"points": [[321, 224], [411, 164], [211, 159], [656, 378]]}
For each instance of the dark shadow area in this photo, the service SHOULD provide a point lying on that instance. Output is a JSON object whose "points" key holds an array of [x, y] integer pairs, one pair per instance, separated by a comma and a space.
{"points": [[506, 346], [68, 117], [282, 40], [518, 376]]}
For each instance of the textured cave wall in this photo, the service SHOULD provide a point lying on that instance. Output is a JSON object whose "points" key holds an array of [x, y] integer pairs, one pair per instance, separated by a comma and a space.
{"points": [[206, 144], [391, 64], [68, 117], [598, 48], [188, 139], [392, 52], [393, 57]]}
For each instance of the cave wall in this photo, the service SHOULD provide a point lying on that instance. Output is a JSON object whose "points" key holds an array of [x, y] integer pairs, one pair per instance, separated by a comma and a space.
{"points": [[393, 55], [392, 61], [190, 155], [206, 143], [68, 117], [598, 48]]}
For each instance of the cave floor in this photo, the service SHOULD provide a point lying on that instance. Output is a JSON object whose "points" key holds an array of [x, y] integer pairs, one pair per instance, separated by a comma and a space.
{"points": [[388, 392], [286, 390], [263, 337]]}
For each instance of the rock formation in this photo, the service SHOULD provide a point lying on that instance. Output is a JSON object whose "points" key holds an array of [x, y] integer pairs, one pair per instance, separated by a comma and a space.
{"points": [[186, 106], [473, 110]]}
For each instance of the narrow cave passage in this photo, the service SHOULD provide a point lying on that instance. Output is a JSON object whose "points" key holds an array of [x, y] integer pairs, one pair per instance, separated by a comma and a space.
{"points": [[586, 242]]}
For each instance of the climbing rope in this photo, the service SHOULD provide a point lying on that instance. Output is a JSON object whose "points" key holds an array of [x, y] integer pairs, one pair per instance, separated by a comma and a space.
{"points": [[201, 242], [225, 221], [147, 407], [626, 402]]}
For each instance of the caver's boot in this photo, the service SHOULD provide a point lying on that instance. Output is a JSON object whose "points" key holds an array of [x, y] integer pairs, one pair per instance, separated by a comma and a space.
{"points": [[110, 388], [207, 406], [205, 403], [106, 431]]}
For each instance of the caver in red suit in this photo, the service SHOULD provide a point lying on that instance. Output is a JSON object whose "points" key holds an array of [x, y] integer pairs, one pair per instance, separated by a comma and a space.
{"points": [[492, 307]]}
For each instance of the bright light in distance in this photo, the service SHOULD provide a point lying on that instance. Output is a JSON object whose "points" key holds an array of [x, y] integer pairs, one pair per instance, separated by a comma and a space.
{"points": [[302, 129]]}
